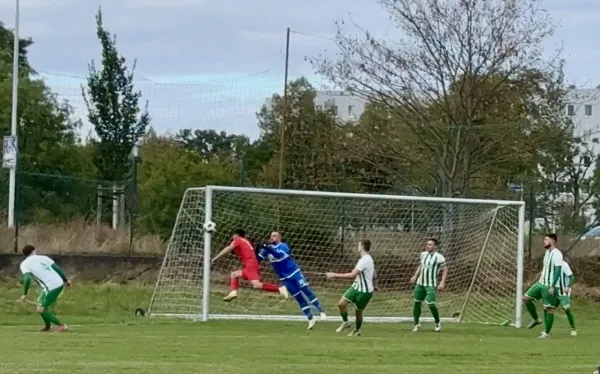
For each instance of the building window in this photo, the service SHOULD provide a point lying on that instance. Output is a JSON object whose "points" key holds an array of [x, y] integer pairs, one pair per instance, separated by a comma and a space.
{"points": [[330, 104], [570, 110], [350, 110], [588, 110]]}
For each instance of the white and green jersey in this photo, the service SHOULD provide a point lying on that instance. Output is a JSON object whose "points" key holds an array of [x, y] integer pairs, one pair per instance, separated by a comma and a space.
{"points": [[552, 258], [431, 264], [40, 268], [564, 279], [364, 279]]}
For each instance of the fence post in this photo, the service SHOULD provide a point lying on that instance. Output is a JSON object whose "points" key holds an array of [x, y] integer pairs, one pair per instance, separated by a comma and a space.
{"points": [[532, 210], [99, 206], [115, 207], [122, 207]]}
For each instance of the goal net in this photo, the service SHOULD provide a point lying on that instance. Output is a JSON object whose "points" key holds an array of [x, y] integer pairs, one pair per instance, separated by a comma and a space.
{"points": [[481, 240]]}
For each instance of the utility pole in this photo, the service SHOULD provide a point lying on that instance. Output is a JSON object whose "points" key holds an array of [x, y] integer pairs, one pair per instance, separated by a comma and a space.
{"points": [[285, 107]]}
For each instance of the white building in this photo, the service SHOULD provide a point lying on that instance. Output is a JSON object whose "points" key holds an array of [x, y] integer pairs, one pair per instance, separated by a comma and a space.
{"points": [[347, 106], [583, 105]]}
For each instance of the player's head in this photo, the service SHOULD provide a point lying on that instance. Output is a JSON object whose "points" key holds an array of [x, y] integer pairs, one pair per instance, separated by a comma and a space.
{"points": [[550, 240], [431, 245], [239, 233], [364, 245], [275, 237], [28, 250]]}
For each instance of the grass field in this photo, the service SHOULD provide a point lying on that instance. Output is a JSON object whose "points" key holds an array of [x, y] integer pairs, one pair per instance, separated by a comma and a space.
{"points": [[106, 338]]}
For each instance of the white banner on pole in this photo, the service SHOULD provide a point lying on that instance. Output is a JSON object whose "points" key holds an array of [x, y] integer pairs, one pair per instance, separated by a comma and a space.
{"points": [[9, 152]]}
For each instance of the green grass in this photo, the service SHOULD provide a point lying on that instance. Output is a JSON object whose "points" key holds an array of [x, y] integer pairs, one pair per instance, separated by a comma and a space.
{"points": [[106, 338]]}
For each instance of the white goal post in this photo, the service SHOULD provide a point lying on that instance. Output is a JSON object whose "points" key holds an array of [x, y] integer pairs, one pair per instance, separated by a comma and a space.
{"points": [[482, 241]]}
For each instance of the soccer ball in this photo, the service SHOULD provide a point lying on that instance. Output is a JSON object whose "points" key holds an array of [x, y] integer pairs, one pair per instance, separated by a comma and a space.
{"points": [[209, 227]]}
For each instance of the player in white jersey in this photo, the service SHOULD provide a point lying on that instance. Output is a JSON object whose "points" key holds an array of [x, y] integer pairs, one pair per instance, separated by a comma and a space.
{"points": [[426, 279], [546, 289], [51, 280], [360, 292], [564, 293]]}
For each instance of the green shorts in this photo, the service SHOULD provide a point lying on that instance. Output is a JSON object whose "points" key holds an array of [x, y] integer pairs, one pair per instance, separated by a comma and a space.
{"points": [[48, 298], [424, 293], [360, 300], [540, 292], [564, 301]]}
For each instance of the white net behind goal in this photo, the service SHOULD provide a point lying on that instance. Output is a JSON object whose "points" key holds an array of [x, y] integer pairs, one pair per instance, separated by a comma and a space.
{"points": [[478, 239]]}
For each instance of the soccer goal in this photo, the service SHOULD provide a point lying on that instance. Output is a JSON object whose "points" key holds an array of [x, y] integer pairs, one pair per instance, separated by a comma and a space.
{"points": [[482, 241]]}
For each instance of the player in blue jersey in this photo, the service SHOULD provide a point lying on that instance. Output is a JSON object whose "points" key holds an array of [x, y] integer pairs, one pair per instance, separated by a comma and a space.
{"points": [[290, 274]]}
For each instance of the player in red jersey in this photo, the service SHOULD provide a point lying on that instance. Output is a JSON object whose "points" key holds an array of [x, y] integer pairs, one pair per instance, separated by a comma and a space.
{"points": [[250, 267]]}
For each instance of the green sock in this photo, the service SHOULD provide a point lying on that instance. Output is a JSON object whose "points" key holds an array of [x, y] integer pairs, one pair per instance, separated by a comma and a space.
{"points": [[530, 305], [435, 313], [570, 318], [51, 318], [416, 312], [46, 322], [358, 323], [549, 322], [344, 316]]}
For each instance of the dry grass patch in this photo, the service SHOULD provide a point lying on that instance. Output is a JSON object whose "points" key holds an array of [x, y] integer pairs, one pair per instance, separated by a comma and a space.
{"points": [[81, 237]]}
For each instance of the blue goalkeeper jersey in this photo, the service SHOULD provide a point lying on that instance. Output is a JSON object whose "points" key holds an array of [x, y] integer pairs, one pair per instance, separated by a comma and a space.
{"points": [[279, 256]]}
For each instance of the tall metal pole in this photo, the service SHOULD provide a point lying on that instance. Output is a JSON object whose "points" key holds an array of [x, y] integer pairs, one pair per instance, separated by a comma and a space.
{"points": [[12, 184], [285, 107]]}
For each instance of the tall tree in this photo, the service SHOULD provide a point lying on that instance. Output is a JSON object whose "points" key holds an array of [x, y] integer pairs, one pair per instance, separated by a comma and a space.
{"points": [[458, 85], [113, 107], [49, 153], [6, 48]]}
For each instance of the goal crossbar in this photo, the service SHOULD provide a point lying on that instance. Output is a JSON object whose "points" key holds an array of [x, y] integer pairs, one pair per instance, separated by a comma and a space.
{"points": [[197, 207], [350, 195]]}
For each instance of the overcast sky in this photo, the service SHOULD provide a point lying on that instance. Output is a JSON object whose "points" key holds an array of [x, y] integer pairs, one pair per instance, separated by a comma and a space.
{"points": [[204, 63]]}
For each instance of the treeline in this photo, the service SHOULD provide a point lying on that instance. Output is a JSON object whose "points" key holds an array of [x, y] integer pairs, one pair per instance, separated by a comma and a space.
{"points": [[463, 107]]}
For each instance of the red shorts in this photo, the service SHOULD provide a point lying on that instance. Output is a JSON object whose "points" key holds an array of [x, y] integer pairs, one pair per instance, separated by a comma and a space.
{"points": [[251, 271]]}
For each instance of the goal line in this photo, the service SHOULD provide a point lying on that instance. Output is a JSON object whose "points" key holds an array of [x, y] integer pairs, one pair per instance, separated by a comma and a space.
{"points": [[294, 318]]}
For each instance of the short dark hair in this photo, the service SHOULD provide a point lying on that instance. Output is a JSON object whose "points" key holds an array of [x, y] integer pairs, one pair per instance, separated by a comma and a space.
{"points": [[366, 244], [239, 232], [552, 236], [28, 249], [434, 240]]}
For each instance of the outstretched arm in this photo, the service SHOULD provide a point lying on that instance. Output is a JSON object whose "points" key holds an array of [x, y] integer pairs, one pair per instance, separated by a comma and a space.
{"points": [[223, 252], [350, 275], [262, 254]]}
